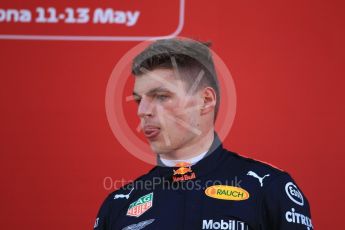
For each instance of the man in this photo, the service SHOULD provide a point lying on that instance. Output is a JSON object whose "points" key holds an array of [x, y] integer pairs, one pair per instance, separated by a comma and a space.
{"points": [[197, 184]]}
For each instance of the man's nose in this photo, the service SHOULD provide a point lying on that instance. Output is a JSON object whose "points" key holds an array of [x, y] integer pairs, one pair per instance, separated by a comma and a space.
{"points": [[145, 107]]}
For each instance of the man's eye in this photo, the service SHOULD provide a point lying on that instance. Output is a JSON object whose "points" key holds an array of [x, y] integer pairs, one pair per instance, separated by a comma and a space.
{"points": [[137, 100], [162, 97]]}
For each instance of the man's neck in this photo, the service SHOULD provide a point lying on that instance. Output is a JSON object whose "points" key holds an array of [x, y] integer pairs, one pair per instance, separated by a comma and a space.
{"points": [[200, 146], [192, 161]]}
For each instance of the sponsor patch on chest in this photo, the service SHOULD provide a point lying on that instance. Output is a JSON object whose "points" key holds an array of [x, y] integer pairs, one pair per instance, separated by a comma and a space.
{"points": [[140, 206], [224, 224]]}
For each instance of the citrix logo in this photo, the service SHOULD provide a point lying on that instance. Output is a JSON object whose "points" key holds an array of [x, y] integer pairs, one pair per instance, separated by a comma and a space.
{"points": [[298, 218], [230, 225]]}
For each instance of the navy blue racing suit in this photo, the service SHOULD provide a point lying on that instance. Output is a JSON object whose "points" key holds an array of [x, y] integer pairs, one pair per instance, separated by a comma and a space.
{"points": [[222, 191]]}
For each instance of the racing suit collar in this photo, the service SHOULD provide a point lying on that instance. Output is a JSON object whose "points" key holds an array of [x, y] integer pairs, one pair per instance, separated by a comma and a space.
{"points": [[192, 161], [212, 159]]}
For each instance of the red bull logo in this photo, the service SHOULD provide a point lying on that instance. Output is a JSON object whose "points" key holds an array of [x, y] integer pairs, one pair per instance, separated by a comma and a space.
{"points": [[184, 172], [183, 168]]}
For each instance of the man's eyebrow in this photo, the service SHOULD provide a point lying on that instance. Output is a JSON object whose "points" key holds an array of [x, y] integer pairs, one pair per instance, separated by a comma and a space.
{"points": [[153, 91]]}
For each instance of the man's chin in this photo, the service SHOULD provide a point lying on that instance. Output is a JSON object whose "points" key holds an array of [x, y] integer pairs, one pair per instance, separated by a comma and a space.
{"points": [[159, 147]]}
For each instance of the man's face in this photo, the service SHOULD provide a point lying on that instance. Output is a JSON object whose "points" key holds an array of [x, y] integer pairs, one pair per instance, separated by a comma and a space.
{"points": [[169, 112]]}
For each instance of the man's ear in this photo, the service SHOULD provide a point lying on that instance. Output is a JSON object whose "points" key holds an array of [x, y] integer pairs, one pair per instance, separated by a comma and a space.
{"points": [[209, 99]]}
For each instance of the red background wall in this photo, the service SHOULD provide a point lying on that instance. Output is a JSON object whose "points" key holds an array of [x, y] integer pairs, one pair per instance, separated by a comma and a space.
{"points": [[286, 58]]}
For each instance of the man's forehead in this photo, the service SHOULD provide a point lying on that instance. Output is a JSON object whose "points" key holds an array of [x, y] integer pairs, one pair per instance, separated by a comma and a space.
{"points": [[157, 80], [152, 91]]}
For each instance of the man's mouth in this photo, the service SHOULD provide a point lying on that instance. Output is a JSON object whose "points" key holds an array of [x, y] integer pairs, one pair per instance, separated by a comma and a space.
{"points": [[151, 132]]}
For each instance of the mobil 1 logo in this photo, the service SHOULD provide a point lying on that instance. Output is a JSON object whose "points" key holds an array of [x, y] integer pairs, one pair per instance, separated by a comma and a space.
{"points": [[229, 224]]}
